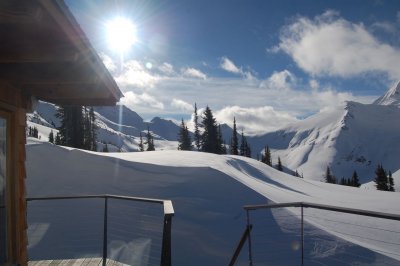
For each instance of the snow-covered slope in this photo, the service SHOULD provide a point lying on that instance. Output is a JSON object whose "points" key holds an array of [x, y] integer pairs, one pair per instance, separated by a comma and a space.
{"points": [[208, 192], [118, 126], [355, 137], [391, 97]]}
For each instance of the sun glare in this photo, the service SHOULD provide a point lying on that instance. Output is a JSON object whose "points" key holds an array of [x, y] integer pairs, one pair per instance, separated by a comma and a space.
{"points": [[121, 34]]}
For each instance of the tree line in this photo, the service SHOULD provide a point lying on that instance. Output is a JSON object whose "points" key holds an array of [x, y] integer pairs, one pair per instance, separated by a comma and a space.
{"points": [[207, 136], [383, 180]]}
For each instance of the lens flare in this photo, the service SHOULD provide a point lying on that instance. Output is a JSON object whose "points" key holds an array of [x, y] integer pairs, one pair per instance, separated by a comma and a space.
{"points": [[121, 34]]}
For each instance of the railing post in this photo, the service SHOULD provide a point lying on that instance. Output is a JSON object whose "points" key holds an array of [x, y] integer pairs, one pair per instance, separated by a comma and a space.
{"points": [[105, 231], [166, 241], [302, 236], [249, 237]]}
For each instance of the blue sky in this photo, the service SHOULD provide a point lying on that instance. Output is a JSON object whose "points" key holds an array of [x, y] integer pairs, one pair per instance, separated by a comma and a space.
{"points": [[268, 63]]}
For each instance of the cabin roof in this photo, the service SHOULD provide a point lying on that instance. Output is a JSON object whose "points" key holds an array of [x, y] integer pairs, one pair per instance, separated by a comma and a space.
{"points": [[45, 53]]}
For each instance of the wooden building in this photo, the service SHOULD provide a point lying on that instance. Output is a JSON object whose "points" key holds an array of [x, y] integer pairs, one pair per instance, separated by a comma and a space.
{"points": [[44, 55]]}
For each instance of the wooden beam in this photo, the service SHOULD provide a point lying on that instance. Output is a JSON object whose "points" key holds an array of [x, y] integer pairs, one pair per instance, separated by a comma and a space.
{"points": [[20, 12], [48, 73], [67, 91]]}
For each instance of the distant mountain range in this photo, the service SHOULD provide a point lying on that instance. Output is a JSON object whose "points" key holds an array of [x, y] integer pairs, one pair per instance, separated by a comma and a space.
{"points": [[353, 137]]}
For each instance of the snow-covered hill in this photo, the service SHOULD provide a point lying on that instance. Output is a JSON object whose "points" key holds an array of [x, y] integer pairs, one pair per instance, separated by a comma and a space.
{"points": [[391, 97], [356, 137], [353, 137], [208, 192], [118, 126]]}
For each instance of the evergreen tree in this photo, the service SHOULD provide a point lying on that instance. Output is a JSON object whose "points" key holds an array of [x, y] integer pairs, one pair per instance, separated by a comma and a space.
{"points": [[355, 182], [329, 177], [197, 136], [248, 150], [279, 165], [149, 141], [234, 141], [93, 130], [266, 157], [57, 141], [51, 137], [342, 182], [296, 174], [72, 125], [105, 148], [35, 132], [209, 138], [141, 147], [381, 179], [243, 145], [184, 141], [390, 182]]}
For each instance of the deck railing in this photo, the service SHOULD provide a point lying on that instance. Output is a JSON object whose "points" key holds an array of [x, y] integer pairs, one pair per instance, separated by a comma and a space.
{"points": [[299, 226], [120, 223]]}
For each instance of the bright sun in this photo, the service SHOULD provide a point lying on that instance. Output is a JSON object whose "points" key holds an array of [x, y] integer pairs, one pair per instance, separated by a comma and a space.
{"points": [[121, 34]]}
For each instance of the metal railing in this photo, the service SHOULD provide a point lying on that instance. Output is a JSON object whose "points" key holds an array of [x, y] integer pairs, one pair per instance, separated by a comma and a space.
{"points": [[165, 256], [247, 234]]}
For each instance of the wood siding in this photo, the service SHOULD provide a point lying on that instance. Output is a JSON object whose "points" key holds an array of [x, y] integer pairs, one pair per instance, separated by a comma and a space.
{"points": [[14, 102]]}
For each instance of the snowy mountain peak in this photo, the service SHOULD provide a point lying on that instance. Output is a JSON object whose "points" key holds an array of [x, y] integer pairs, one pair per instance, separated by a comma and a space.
{"points": [[391, 97]]}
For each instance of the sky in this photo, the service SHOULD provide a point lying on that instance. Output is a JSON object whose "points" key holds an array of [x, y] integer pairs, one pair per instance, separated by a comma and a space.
{"points": [[267, 63]]}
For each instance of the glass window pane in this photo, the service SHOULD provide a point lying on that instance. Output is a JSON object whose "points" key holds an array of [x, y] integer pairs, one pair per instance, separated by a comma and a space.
{"points": [[3, 172]]}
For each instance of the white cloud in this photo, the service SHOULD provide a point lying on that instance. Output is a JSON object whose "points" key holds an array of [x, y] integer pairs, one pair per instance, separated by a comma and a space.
{"points": [[194, 73], [166, 68], [134, 73], [281, 80], [256, 120], [227, 65], [281, 97], [133, 101], [182, 105], [332, 46]]}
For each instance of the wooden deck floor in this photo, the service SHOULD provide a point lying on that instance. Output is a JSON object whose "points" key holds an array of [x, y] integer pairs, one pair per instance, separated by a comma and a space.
{"points": [[75, 262]]}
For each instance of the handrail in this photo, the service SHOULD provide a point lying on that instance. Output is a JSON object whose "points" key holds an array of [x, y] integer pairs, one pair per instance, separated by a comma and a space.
{"points": [[168, 214], [302, 205], [325, 207]]}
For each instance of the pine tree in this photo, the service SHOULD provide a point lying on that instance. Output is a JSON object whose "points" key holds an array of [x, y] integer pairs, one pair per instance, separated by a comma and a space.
{"points": [[279, 165], [355, 182], [381, 180], [141, 147], [390, 182], [72, 125], [266, 157], [296, 174], [105, 148], [248, 150], [242, 147], [234, 141], [209, 138], [57, 141], [149, 141], [93, 130], [329, 178], [51, 137], [184, 141], [197, 136]]}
